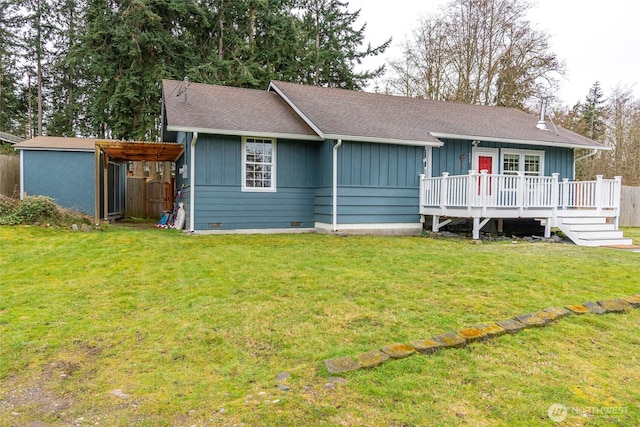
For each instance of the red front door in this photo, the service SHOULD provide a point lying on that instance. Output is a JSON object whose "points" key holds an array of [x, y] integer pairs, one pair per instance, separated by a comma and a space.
{"points": [[485, 163]]}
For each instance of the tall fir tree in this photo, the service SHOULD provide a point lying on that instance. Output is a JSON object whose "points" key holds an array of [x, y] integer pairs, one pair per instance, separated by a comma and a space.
{"points": [[12, 109], [333, 46], [593, 112]]}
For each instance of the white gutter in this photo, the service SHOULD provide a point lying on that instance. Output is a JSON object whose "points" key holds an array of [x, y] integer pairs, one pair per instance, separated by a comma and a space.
{"points": [[586, 156], [517, 141], [214, 131], [192, 178], [335, 186]]}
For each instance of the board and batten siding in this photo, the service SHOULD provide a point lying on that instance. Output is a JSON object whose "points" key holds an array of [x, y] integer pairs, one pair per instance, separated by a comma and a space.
{"points": [[455, 157], [67, 177], [222, 205], [377, 183]]}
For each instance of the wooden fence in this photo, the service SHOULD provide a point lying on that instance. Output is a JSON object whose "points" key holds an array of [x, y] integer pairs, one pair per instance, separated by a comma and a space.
{"points": [[630, 206], [147, 199], [9, 175]]}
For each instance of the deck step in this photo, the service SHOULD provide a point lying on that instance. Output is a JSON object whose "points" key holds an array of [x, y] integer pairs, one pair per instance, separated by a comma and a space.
{"points": [[592, 227], [592, 231], [600, 234], [584, 220], [603, 242]]}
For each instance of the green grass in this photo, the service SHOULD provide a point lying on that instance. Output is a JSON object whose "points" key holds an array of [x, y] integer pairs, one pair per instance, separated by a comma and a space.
{"points": [[195, 328]]}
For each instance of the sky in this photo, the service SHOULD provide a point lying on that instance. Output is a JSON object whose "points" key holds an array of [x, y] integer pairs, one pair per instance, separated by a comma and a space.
{"points": [[597, 39]]}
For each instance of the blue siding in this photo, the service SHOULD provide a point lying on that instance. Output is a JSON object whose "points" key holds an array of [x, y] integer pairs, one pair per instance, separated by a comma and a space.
{"points": [[220, 202], [228, 208], [455, 157], [377, 184], [65, 176]]}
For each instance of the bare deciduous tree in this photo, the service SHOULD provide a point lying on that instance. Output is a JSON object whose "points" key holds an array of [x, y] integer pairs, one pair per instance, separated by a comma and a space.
{"points": [[478, 52]]}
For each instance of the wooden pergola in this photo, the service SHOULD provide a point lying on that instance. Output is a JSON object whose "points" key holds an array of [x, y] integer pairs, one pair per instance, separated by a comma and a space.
{"points": [[128, 151]]}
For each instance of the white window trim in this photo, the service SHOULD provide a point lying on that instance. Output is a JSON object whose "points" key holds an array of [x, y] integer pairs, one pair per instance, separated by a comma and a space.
{"points": [[522, 153], [244, 166], [476, 152]]}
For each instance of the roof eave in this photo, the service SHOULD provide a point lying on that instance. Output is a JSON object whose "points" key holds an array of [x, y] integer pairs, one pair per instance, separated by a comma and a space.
{"points": [[393, 141], [81, 150], [520, 141], [244, 133]]}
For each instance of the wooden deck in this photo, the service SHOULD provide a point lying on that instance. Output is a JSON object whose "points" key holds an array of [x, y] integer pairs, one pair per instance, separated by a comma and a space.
{"points": [[555, 203]]}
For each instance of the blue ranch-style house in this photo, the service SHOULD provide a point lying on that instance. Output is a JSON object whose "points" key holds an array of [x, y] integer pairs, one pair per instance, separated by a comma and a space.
{"points": [[304, 158]]}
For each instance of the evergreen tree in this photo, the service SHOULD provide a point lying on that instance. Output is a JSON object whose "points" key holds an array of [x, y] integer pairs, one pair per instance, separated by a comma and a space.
{"points": [[65, 117], [12, 111], [332, 46], [593, 111], [129, 46], [247, 43]]}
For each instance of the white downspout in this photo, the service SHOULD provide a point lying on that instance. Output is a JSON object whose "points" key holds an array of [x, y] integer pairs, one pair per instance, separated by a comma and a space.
{"points": [[335, 185], [192, 178], [21, 174], [586, 156]]}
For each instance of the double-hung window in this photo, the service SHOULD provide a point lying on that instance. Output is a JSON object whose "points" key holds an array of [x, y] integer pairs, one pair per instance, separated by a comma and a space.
{"points": [[258, 164], [530, 162]]}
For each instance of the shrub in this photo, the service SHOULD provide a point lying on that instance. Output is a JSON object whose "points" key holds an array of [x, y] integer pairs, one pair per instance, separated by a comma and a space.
{"points": [[7, 205], [28, 211]]}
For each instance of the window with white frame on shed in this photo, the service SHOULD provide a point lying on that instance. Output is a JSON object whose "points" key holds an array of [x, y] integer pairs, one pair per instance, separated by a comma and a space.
{"points": [[530, 162], [258, 164]]}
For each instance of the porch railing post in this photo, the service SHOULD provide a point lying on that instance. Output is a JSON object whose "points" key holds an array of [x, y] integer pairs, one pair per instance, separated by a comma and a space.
{"points": [[555, 196], [423, 190], [484, 200], [565, 193], [617, 194], [444, 189], [599, 193], [472, 189], [520, 192]]}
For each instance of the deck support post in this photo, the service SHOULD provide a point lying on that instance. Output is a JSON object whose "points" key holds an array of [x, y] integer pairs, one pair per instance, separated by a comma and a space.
{"points": [[477, 226], [436, 224], [547, 228]]}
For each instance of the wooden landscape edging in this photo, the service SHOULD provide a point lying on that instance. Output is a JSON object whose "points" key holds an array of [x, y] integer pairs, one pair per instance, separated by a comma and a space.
{"points": [[471, 334]]}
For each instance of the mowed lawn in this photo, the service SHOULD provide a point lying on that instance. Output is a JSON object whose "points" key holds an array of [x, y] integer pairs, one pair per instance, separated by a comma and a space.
{"points": [[156, 328]]}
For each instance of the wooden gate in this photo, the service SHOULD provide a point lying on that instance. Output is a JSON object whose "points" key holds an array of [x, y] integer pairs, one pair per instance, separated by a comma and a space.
{"points": [[159, 198], [136, 205], [9, 175]]}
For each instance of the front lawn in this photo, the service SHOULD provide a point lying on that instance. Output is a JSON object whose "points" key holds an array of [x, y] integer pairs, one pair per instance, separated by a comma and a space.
{"points": [[157, 328]]}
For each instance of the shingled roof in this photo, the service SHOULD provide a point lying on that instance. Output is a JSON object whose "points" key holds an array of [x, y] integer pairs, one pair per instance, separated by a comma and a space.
{"points": [[346, 114], [230, 111], [290, 110], [58, 143]]}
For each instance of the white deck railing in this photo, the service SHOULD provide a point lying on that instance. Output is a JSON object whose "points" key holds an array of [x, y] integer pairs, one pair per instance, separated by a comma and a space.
{"points": [[482, 190]]}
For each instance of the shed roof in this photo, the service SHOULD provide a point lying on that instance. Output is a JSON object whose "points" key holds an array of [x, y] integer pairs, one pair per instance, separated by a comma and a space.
{"points": [[58, 143], [11, 139], [230, 111], [347, 114]]}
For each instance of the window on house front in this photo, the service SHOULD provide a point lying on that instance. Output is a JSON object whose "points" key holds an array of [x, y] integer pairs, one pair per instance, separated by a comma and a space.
{"points": [[527, 161], [258, 164]]}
